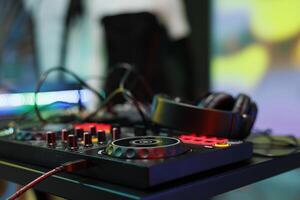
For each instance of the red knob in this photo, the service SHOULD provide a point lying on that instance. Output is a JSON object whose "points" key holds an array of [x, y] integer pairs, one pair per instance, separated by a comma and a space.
{"points": [[87, 139], [93, 130], [116, 133], [79, 133], [72, 142], [51, 139], [101, 136], [64, 135]]}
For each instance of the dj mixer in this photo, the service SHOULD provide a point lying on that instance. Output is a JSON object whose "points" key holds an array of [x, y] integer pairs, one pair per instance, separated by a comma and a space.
{"points": [[132, 156]]}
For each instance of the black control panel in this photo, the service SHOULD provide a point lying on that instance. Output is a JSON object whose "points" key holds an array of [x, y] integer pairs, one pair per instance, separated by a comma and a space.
{"points": [[131, 156]]}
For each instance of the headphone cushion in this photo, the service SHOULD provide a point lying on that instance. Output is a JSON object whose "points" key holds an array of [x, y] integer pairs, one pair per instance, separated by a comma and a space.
{"points": [[220, 100], [252, 114], [242, 104]]}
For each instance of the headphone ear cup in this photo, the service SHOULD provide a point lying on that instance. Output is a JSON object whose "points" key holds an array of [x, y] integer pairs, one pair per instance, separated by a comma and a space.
{"points": [[220, 100], [249, 121], [242, 104], [200, 98], [252, 115]]}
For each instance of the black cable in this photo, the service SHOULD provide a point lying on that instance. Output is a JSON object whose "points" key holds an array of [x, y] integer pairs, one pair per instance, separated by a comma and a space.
{"points": [[114, 94], [129, 68], [43, 79], [127, 95], [125, 77]]}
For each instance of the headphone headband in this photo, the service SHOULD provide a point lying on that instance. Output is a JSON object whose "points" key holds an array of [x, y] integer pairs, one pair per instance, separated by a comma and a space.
{"points": [[190, 118]]}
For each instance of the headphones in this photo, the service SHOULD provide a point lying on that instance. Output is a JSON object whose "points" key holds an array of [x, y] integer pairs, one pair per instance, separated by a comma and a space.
{"points": [[216, 114]]}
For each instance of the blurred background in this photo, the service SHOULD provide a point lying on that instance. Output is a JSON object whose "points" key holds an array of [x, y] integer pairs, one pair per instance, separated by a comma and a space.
{"points": [[182, 48]]}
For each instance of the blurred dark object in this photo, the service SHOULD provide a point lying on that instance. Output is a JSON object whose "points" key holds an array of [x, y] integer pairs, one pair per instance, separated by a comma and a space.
{"points": [[135, 39], [42, 195], [139, 39], [75, 11], [17, 47], [199, 16], [3, 187]]}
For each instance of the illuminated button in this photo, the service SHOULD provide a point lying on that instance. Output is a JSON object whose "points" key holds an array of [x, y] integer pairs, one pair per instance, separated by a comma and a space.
{"points": [[202, 140], [143, 153], [130, 153], [118, 152], [110, 150], [158, 153], [222, 145]]}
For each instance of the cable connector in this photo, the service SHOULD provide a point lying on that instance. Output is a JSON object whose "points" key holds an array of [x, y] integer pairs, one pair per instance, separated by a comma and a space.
{"points": [[68, 167], [75, 165]]}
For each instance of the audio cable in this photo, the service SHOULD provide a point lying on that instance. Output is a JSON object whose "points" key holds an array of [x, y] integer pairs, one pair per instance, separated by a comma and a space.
{"points": [[44, 77], [126, 93], [66, 167]]}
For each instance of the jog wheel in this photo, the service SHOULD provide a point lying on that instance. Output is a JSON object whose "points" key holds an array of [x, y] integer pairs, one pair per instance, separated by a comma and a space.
{"points": [[146, 147]]}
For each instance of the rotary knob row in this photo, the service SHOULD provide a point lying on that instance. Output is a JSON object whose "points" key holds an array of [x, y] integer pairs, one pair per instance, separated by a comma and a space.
{"points": [[72, 139]]}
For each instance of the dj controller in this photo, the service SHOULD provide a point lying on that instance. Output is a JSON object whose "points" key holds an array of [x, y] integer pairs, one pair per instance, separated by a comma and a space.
{"points": [[132, 156]]}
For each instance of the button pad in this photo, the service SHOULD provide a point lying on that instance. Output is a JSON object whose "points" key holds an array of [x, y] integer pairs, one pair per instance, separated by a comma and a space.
{"points": [[204, 140]]}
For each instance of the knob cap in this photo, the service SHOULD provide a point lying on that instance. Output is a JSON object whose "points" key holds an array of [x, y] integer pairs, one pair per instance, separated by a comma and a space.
{"points": [[116, 133], [64, 135], [101, 136], [87, 139], [93, 130], [72, 142], [51, 138], [79, 133]]}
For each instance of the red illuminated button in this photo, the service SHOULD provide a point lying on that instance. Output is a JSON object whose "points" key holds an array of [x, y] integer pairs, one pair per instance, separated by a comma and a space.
{"points": [[222, 145], [99, 126], [202, 140]]}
